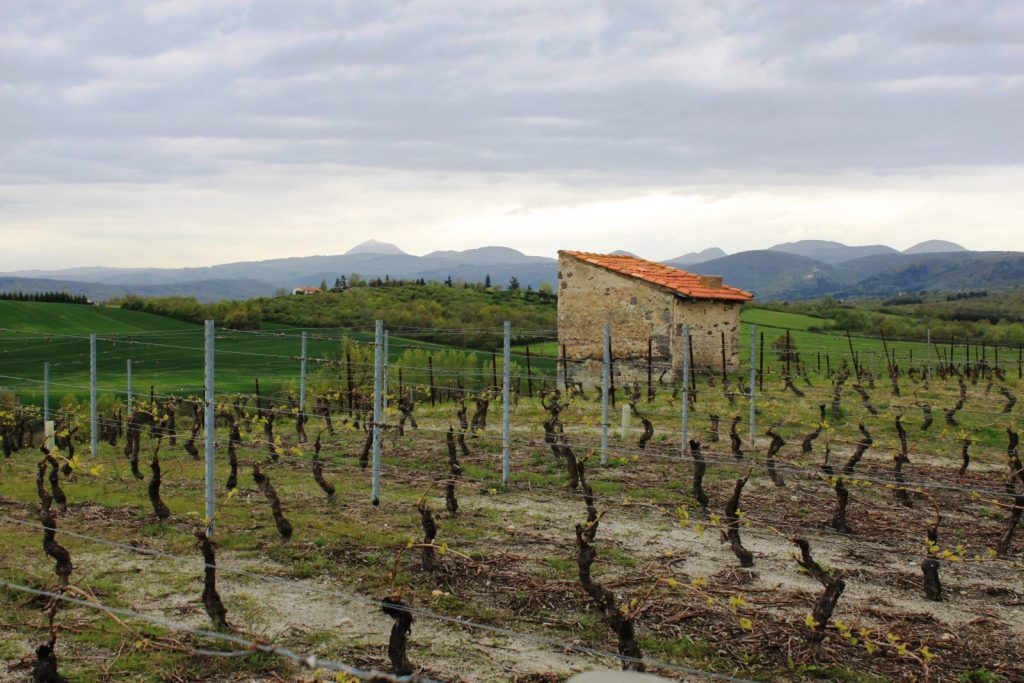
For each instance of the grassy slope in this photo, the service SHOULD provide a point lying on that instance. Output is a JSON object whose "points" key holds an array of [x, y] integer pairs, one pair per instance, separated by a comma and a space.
{"points": [[27, 316], [171, 357], [168, 354]]}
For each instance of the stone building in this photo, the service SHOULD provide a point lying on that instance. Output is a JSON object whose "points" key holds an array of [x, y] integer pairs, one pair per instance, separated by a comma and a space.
{"points": [[645, 303]]}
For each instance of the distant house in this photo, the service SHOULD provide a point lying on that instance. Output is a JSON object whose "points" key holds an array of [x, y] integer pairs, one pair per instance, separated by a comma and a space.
{"points": [[306, 290], [647, 305]]}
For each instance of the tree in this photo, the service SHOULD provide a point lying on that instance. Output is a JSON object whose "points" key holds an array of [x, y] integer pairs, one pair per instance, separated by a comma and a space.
{"points": [[487, 281], [513, 284], [448, 281], [785, 348], [355, 280], [545, 288], [323, 285]]}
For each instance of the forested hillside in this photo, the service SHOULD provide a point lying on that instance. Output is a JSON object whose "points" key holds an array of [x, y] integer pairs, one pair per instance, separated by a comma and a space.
{"points": [[460, 316]]}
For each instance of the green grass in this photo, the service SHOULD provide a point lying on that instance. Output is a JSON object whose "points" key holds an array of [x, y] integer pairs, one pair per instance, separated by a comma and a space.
{"points": [[827, 348], [168, 355], [786, 321], [47, 318]]}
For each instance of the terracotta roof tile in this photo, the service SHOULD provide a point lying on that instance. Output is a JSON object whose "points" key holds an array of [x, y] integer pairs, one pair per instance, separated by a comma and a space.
{"points": [[689, 284]]}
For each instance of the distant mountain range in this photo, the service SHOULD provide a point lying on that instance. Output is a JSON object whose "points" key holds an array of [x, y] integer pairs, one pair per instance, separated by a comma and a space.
{"points": [[780, 275], [793, 270]]}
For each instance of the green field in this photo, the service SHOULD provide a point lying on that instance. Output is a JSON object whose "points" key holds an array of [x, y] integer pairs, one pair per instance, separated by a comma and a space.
{"points": [[168, 354], [18, 317]]}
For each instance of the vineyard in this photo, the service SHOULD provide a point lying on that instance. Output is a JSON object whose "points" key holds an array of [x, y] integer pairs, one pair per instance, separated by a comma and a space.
{"points": [[836, 508]]}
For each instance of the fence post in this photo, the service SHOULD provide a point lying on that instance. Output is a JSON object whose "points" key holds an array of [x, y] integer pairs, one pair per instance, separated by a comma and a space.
{"points": [[611, 369], [384, 381], [753, 378], [565, 369], [760, 363], [378, 378], [93, 419], [529, 375], [47, 427], [430, 370], [506, 377], [928, 356], [686, 388], [46, 392], [351, 384], [650, 369], [210, 425], [605, 382], [302, 374], [128, 363]]}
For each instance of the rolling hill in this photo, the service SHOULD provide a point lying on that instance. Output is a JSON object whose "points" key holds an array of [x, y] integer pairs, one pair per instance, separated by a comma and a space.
{"points": [[777, 275], [771, 274], [246, 279], [827, 251]]}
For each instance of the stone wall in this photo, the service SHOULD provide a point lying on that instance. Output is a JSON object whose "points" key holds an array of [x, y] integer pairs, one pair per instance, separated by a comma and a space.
{"points": [[589, 296], [707, 319]]}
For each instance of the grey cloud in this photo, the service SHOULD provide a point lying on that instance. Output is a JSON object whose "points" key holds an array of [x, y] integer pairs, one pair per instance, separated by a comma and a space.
{"points": [[653, 90], [657, 92]]}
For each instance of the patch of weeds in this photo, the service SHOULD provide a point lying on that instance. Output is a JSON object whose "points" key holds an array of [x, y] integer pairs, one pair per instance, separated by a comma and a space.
{"points": [[250, 609], [979, 675], [11, 650], [834, 673], [239, 540], [560, 564], [676, 649], [619, 556], [607, 487], [319, 637], [103, 633]]}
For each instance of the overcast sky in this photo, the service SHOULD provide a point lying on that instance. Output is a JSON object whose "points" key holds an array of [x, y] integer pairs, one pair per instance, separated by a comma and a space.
{"points": [[193, 132]]}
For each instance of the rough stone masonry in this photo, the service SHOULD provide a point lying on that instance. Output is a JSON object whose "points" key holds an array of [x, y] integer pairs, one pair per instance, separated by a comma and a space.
{"points": [[643, 300]]}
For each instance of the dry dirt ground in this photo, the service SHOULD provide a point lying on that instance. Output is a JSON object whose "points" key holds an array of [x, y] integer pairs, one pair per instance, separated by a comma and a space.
{"points": [[508, 567]]}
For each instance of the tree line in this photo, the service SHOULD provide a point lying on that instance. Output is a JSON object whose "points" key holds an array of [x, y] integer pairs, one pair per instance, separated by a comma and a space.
{"points": [[46, 297]]}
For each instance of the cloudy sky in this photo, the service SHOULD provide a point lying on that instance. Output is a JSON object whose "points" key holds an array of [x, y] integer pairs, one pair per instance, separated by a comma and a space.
{"points": [[193, 132]]}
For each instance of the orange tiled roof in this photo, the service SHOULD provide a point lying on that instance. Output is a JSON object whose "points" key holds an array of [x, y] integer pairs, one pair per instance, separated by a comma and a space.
{"points": [[687, 284]]}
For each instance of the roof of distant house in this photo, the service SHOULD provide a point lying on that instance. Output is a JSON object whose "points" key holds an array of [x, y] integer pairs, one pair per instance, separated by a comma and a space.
{"points": [[688, 284]]}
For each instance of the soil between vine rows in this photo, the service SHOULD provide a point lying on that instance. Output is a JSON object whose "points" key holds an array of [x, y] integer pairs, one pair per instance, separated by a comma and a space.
{"points": [[521, 571]]}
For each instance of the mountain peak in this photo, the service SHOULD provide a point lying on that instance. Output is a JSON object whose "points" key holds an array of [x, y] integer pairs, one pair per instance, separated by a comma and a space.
{"points": [[694, 257], [933, 247], [490, 254], [375, 247]]}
